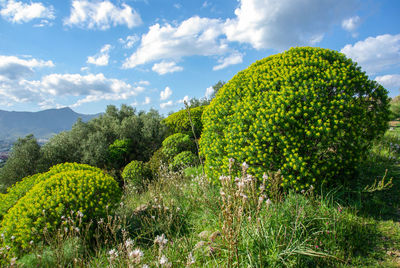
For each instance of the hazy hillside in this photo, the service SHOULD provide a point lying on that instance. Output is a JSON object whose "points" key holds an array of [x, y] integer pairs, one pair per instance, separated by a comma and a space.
{"points": [[42, 124]]}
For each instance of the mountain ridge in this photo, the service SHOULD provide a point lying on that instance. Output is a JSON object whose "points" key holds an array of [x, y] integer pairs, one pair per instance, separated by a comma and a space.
{"points": [[43, 124]]}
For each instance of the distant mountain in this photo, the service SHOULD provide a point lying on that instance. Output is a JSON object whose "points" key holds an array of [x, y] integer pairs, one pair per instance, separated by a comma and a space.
{"points": [[43, 124]]}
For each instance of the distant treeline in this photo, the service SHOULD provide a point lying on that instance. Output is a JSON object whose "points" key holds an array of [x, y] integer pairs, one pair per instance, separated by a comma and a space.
{"points": [[89, 143]]}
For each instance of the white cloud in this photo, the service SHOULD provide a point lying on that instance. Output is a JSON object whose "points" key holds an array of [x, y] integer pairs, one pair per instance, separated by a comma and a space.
{"points": [[165, 67], [18, 12], [147, 100], [375, 54], [166, 104], [177, 6], [89, 88], [389, 81], [194, 36], [100, 59], [351, 24], [15, 68], [129, 41], [209, 92], [101, 15], [232, 59], [166, 93], [280, 25], [144, 83], [185, 99]]}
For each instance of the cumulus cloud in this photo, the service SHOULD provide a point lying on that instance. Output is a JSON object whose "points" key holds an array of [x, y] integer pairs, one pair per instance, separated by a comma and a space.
{"points": [[101, 15], [279, 24], [165, 67], [389, 81], [14, 68], [351, 24], [209, 92], [147, 100], [232, 59], [166, 104], [375, 54], [166, 93], [129, 41], [100, 59], [194, 36], [89, 88], [185, 99], [19, 12]]}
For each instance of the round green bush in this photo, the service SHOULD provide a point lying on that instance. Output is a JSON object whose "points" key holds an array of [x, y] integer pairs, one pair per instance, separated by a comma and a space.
{"points": [[157, 160], [176, 144], [179, 122], [20, 188], [42, 208], [182, 160], [136, 174], [310, 112]]}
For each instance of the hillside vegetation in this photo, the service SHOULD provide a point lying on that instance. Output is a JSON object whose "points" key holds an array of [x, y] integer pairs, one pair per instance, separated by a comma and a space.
{"points": [[291, 164]]}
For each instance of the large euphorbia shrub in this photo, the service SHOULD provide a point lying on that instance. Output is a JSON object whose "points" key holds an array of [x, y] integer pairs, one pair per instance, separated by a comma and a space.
{"points": [[310, 112]]}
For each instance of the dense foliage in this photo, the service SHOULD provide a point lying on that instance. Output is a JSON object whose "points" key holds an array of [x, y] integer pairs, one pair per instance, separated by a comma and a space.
{"points": [[310, 112], [22, 161], [183, 160], [179, 122], [137, 174], [176, 144], [65, 188]]}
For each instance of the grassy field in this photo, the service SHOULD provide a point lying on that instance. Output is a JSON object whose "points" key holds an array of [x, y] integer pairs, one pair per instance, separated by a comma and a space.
{"points": [[181, 220]]}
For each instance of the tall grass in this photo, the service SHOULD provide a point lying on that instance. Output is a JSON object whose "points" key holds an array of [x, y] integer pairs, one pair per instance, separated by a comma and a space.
{"points": [[181, 220]]}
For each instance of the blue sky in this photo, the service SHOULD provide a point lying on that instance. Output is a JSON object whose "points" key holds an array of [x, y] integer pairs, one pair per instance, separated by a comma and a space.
{"points": [[87, 54]]}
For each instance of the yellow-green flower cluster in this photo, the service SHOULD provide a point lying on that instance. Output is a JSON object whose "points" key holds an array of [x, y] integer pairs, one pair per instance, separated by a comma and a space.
{"points": [[310, 112], [59, 191]]}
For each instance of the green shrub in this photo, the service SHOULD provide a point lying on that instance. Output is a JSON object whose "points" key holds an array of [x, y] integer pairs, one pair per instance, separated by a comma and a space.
{"points": [[136, 174], [310, 112], [176, 144], [179, 122], [19, 189], [156, 161], [182, 160], [42, 208]]}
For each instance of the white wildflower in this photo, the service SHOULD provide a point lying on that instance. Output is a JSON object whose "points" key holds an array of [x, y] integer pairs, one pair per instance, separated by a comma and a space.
{"points": [[269, 202], [161, 240], [163, 260], [245, 166], [80, 214], [137, 253], [191, 259], [128, 242]]}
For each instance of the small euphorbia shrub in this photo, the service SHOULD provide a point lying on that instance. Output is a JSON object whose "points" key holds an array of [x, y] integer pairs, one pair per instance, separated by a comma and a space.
{"points": [[176, 144], [42, 208], [310, 112], [182, 160], [136, 174], [19, 189]]}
